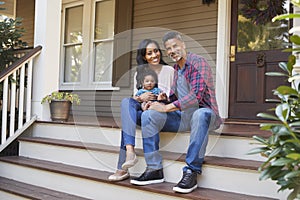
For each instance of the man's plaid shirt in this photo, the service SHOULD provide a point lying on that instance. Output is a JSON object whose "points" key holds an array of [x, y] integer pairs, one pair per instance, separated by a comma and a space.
{"points": [[198, 75]]}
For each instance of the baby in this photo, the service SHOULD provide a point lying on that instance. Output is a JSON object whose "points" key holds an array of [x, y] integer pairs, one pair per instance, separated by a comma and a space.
{"points": [[150, 85]]}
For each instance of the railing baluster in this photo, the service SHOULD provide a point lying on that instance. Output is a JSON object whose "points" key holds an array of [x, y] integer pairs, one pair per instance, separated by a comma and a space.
{"points": [[15, 97], [29, 83], [21, 96], [13, 106], [4, 110]]}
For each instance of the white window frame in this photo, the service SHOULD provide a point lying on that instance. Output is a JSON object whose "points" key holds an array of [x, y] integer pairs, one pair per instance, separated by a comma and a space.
{"points": [[87, 72]]}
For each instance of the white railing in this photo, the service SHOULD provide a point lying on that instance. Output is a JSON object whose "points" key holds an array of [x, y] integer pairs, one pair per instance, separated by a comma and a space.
{"points": [[16, 83]]}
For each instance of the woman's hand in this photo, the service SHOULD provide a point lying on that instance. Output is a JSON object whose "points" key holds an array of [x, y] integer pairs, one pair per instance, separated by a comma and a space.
{"points": [[147, 96]]}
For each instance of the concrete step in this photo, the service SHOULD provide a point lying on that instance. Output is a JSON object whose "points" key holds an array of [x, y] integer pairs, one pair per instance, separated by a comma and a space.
{"points": [[242, 174], [12, 189], [93, 184], [232, 145]]}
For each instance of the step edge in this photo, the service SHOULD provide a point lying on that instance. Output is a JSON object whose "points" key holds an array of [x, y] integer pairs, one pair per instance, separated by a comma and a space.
{"points": [[208, 160], [155, 188]]}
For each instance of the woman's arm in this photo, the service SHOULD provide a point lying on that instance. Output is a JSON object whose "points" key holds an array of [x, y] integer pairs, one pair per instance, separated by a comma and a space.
{"points": [[147, 96]]}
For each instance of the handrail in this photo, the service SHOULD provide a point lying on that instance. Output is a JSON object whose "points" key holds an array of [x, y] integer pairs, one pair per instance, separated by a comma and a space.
{"points": [[19, 62], [17, 95]]}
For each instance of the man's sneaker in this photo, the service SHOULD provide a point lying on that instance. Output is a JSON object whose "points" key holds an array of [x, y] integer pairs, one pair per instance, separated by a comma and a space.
{"points": [[188, 182], [149, 177]]}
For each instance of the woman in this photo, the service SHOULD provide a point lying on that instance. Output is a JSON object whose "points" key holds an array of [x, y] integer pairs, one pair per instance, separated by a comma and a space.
{"points": [[149, 57]]}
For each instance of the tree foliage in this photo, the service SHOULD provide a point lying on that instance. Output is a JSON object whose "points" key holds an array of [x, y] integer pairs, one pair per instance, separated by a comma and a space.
{"points": [[10, 40]]}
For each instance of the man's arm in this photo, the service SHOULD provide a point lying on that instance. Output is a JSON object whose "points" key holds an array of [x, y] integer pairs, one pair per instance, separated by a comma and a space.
{"points": [[162, 107]]}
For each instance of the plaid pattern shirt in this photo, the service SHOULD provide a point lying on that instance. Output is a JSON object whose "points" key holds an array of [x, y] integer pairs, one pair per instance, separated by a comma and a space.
{"points": [[199, 77]]}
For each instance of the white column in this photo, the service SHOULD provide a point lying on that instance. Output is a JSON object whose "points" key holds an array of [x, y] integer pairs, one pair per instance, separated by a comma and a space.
{"points": [[46, 66], [222, 64]]}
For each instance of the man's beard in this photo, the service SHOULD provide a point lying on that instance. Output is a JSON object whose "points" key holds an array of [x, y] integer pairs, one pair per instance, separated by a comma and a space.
{"points": [[177, 58]]}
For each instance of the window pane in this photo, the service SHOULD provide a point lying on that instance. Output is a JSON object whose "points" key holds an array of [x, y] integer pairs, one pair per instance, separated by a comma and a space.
{"points": [[73, 63], [256, 32], [103, 62], [73, 27], [104, 20]]}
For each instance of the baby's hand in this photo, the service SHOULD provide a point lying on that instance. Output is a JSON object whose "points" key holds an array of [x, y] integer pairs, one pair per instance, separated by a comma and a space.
{"points": [[162, 96]]}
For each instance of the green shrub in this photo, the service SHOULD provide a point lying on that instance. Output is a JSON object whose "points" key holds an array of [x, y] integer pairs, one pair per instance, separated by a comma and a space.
{"points": [[282, 148]]}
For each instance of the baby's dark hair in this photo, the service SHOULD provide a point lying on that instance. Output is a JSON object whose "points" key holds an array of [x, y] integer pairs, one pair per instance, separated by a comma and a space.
{"points": [[147, 72]]}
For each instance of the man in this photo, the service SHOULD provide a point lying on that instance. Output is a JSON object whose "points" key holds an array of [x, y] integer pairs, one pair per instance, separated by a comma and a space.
{"points": [[193, 107]]}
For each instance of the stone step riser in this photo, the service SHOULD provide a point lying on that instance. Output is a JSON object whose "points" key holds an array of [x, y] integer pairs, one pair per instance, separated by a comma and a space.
{"points": [[222, 146], [215, 177], [74, 185], [9, 196]]}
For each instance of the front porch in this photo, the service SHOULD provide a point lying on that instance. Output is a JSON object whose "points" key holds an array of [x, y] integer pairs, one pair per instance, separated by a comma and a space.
{"points": [[85, 151]]}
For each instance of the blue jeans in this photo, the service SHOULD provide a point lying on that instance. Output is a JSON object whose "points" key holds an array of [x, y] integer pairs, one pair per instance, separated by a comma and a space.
{"points": [[196, 120], [130, 117]]}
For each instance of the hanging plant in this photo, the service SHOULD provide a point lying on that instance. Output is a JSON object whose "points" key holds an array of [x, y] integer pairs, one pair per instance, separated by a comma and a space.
{"points": [[251, 10]]}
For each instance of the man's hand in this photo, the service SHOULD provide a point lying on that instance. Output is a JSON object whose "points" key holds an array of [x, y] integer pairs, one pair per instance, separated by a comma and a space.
{"points": [[160, 107]]}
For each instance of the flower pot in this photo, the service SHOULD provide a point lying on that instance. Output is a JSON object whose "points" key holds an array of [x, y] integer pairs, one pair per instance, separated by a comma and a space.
{"points": [[60, 110]]}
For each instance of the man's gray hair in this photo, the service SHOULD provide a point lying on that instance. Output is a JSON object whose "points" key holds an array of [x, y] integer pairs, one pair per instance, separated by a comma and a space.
{"points": [[171, 35]]}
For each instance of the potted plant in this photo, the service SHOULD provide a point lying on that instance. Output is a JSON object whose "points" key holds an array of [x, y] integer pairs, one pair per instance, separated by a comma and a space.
{"points": [[60, 104]]}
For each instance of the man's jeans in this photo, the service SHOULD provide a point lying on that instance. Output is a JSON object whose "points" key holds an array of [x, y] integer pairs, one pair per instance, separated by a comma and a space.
{"points": [[197, 120], [131, 118]]}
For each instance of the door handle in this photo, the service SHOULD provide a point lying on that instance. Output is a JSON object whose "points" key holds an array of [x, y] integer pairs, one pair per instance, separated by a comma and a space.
{"points": [[260, 60], [232, 53]]}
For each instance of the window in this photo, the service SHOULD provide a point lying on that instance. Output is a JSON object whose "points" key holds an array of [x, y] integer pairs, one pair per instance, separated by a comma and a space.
{"points": [[103, 41], [73, 44], [87, 49]]}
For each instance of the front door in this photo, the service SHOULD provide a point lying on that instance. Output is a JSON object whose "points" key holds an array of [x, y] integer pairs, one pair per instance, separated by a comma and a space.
{"points": [[256, 48]]}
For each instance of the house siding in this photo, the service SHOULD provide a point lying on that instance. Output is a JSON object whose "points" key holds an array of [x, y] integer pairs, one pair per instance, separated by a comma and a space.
{"points": [[9, 8], [196, 21], [25, 10]]}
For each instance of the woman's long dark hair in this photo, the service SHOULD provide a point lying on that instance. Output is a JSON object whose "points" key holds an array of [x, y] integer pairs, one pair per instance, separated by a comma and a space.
{"points": [[143, 66]]}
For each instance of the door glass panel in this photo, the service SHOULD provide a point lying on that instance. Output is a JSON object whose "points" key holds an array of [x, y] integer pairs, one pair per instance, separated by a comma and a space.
{"points": [[256, 32]]}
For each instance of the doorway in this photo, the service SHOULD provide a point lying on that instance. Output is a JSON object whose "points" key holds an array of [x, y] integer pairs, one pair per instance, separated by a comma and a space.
{"points": [[256, 48]]}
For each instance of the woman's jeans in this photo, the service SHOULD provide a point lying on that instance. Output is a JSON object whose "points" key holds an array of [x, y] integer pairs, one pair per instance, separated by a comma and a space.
{"points": [[131, 117], [196, 120]]}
